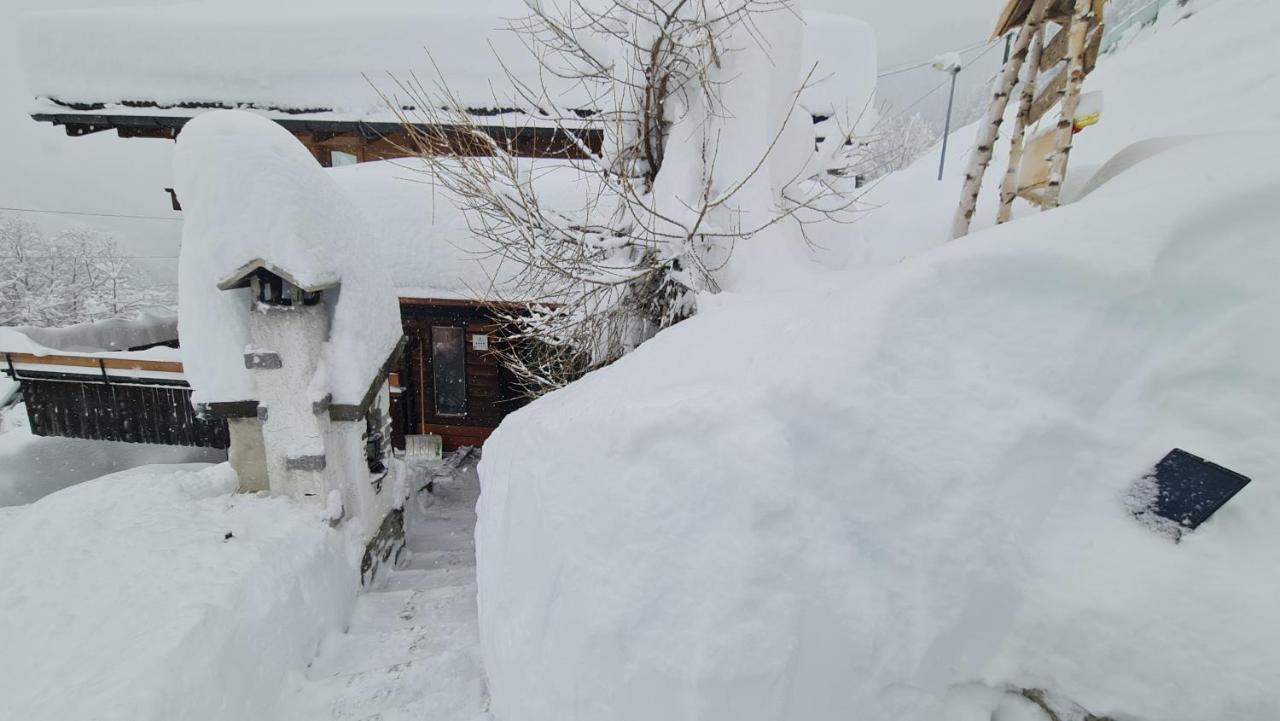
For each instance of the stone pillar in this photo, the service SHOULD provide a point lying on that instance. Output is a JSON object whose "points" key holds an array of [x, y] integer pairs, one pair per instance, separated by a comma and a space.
{"points": [[285, 352], [248, 454]]}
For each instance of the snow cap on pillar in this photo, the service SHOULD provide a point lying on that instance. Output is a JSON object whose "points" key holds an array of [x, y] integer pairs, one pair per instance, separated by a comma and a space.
{"points": [[256, 200]]}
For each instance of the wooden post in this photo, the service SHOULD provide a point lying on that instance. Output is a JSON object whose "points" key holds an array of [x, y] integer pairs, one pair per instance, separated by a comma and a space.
{"points": [[990, 130], [1009, 190], [1079, 28]]}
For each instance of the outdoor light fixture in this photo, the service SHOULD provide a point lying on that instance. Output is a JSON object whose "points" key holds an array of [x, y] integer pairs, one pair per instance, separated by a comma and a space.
{"points": [[1182, 492], [948, 63]]}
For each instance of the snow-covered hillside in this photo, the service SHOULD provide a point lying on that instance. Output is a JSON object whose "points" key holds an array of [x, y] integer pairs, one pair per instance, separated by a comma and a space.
{"points": [[898, 491], [1211, 72]]}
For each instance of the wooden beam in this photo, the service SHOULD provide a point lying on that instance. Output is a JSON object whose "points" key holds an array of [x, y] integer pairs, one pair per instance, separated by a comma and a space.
{"points": [[96, 363], [1077, 44], [1048, 97], [1055, 51], [1009, 188]]}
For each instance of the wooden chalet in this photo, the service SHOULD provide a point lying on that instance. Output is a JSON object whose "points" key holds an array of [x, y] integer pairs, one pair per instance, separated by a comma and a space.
{"points": [[332, 142], [145, 72], [447, 382]]}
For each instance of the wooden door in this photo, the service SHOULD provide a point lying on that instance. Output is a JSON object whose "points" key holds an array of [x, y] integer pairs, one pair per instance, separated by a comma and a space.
{"points": [[457, 387]]}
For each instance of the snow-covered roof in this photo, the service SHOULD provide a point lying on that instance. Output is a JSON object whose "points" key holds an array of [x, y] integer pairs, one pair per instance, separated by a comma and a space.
{"points": [[321, 61], [105, 336], [423, 237], [281, 59], [253, 194]]}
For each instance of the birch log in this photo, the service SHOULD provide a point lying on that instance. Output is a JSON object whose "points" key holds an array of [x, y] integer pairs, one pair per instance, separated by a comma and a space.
{"points": [[1079, 28], [1009, 190], [989, 131]]}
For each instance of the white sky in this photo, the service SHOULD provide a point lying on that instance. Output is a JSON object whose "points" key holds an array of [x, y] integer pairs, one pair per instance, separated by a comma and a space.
{"points": [[42, 168], [911, 30]]}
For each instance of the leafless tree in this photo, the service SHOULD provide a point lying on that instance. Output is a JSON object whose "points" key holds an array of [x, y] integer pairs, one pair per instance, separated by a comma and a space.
{"points": [[680, 178]]}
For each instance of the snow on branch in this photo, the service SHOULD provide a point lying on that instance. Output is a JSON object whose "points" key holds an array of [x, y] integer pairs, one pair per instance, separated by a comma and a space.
{"points": [[705, 148]]}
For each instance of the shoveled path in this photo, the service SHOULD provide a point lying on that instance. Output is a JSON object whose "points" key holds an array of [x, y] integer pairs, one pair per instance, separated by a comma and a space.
{"points": [[412, 648]]}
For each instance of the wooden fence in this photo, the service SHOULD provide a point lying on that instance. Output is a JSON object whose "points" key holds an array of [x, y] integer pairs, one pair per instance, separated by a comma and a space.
{"points": [[112, 399]]}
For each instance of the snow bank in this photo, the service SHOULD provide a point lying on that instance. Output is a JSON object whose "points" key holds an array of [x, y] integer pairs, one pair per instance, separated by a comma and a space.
{"points": [[157, 594], [841, 51], [1212, 72], [32, 467], [116, 334], [857, 501], [251, 191], [8, 390]]}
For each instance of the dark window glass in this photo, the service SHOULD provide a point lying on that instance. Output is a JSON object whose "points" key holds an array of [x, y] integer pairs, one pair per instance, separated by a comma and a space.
{"points": [[448, 370]]}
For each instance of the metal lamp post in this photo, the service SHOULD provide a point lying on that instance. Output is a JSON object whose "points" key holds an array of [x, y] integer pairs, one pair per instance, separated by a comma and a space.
{"points": [[948, 65]]}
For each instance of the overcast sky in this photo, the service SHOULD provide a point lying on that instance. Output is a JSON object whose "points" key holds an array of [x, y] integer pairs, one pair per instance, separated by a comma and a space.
{"points": [[911, 30]]}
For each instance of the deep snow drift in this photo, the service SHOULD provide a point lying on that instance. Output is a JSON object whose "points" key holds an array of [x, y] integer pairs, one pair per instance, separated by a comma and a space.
{"points": [[848, 502], [1211, 72], [895, 492], [160, 594]]}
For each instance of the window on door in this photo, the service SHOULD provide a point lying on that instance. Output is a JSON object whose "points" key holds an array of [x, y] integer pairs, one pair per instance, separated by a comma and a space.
{"points": [[338, 158], [449, 370]]}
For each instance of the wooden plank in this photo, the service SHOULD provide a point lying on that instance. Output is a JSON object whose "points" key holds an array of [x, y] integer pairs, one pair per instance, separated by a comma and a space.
{"points": [[483, 306], [1055, 51], [129, 364], [1048, 97], [62, 360], [73, 403]]}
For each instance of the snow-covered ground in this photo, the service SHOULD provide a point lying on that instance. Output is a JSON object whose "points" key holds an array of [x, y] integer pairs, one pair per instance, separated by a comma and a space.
{"points": [[895, 492], [1213, 72], [411, 649], [159, 593], [32, 467]]}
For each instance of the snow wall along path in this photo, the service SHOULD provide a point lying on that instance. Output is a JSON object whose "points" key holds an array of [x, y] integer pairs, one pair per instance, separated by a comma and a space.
{"points": [[160, 593], [849, 503]]}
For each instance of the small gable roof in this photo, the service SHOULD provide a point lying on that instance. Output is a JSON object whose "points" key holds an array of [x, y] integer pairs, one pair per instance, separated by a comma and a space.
{"points": [[1015, 12], [241, 276]]}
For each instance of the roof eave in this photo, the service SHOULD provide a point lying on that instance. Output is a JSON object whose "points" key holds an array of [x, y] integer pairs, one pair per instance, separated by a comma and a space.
{"points": [[240, 277]]}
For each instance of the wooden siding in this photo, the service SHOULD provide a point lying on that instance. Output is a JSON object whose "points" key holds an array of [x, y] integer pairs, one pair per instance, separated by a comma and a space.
{"points": [[455, 437], [523, 143], [88, 408], [366, 140], [491, 392]]}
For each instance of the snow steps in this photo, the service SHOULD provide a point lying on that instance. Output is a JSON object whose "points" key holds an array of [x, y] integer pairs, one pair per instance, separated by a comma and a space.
{"points": [[358, 652], [435, 560], [448, 686], [411, 649], [392, 610], [410, 579]]}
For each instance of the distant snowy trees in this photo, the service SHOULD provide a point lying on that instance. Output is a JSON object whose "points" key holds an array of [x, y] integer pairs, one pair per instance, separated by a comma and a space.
{"points": [[72, 276], [896, 141], [706, 153]]}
